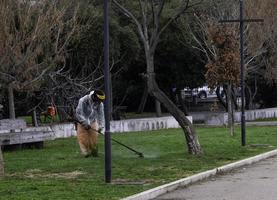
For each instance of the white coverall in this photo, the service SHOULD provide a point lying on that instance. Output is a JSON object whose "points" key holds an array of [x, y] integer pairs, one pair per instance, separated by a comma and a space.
{"points": [[89, 113]]}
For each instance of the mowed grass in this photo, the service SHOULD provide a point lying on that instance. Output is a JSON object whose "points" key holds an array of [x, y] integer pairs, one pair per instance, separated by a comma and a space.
{"points": [[58, 171]]}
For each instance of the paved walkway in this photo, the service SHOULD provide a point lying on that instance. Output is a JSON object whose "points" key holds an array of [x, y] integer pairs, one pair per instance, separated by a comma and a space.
{"points": [[254, 182]]}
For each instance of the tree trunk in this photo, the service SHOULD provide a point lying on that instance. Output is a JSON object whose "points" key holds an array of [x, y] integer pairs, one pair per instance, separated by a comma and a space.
{"points": [[220, 97], [1, 163], [34, 118], [230, 109], [248, 98], [153, 89], [143, 100], [158, 108], [234, 99], [11, 102], [181, 102], [189, 131]]}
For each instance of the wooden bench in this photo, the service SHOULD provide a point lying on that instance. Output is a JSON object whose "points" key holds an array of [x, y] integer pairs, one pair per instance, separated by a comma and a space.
{"points": [[23, 137]]}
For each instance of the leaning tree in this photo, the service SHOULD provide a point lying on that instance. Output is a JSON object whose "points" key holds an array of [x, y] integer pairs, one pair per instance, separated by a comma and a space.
{"points": [[148, 18]]}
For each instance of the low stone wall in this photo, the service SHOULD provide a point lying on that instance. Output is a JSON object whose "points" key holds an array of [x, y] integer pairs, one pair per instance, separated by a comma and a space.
{"points": [[64, 130], [146, 124], [260, 114], [15, 132], [68, 129], [216, 118], [250, 115]]}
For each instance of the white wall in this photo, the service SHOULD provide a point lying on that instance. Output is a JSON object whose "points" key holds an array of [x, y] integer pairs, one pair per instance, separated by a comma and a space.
{"points": [[250, 115], [145, 124]]}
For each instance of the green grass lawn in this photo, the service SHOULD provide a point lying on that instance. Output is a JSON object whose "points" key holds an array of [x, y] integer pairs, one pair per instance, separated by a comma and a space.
{"points": [[58, 171], [266, 119]]}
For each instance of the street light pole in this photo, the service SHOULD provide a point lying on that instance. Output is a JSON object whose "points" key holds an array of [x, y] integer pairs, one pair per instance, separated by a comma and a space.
{"points": [[243, 142], [108, 165], [242, 21]]}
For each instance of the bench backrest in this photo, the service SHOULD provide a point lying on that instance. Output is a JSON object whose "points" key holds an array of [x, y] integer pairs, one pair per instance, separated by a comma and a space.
{"points": [[12, 124]]}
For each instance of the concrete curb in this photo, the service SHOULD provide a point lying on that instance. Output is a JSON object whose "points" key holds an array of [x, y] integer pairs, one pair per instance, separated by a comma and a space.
{"points": [[152, 193]]}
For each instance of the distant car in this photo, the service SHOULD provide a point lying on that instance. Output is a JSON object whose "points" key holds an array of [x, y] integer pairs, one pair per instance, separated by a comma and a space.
{"points": [[203, 92]]}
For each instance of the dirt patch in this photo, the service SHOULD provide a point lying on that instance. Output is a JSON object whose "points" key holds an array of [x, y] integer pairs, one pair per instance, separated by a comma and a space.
{"points": [[37, 173]]}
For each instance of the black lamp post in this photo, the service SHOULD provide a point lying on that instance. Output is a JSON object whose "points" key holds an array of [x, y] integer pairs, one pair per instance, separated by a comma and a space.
{"points": [[108, 165], [242, 84], [242, 21]]}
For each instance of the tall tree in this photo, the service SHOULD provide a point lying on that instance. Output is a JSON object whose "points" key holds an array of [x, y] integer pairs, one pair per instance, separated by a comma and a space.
{"points": [[33, 37], [148, 24], [262, 70], [224, 68], [263, 36], [219, 45], [84, 62]]}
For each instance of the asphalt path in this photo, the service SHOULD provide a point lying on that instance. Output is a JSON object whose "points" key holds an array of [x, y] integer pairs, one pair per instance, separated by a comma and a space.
{"points": [[253, 182]]}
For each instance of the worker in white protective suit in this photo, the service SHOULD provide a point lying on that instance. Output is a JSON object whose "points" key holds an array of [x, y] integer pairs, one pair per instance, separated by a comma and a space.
{"points": [[90, 116]]}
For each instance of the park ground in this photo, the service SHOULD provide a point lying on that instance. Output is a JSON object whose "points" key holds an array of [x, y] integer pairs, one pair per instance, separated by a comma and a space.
{"points": [[58, 171]]}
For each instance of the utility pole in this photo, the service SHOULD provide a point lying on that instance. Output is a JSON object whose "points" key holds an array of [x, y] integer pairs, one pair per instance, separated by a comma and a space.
{"points": [[242, 21], [108, 165]]}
